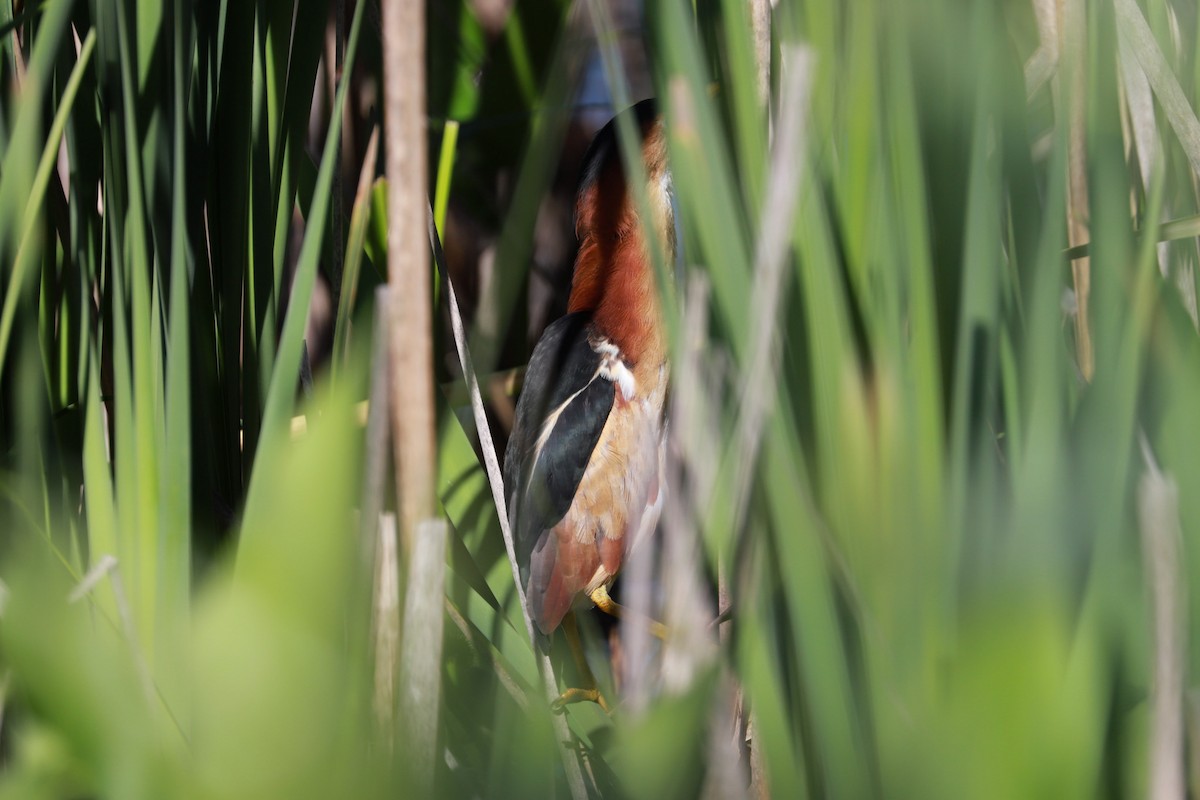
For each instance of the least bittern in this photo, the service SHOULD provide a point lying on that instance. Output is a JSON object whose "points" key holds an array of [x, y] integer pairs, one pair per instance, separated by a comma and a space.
{"points": [[583, 469]]}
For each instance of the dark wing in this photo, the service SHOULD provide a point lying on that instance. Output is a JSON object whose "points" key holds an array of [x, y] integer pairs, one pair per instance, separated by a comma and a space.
{"points": [[563, 407]]}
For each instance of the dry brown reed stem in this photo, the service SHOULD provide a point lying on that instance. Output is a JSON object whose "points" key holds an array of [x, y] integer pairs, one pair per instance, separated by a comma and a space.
{"points": [[408, 263], [1072, 89], [423, 534], [1158, 515]]}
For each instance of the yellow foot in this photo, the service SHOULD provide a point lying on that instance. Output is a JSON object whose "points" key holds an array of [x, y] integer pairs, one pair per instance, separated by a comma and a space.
{"points": [[570, 696], [614, 609]]}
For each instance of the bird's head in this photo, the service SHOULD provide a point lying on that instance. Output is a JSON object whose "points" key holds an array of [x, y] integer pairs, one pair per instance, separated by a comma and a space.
{"points": [[604, 206], [614, 272]]}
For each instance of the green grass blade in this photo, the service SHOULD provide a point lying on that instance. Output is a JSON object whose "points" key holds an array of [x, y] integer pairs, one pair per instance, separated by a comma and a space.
{"points": [[279, 402], [21, 203], [445, 172], [360, 216]]}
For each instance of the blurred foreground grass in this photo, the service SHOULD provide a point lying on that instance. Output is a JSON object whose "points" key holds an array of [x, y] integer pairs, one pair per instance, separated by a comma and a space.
{"points": [[942, 471]]}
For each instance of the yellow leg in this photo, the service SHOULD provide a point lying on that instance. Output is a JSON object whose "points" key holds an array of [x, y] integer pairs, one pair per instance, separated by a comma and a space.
{"points": [[611, 607], [570, 696], [592, 694], [570, 628]]}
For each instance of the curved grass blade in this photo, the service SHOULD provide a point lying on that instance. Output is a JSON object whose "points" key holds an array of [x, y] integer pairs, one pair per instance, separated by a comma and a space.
{"points": [[280, 396], [34, 199]]}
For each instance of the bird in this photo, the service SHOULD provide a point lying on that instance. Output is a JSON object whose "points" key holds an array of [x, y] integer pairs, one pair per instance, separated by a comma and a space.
{"points": [[584, 465]]}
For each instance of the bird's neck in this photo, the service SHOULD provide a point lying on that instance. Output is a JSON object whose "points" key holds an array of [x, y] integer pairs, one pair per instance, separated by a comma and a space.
{"points": [[614, 279]]}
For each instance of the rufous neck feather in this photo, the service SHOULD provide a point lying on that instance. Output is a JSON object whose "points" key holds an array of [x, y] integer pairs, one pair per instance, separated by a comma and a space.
{"points": [[614, 275], [614, 279]]}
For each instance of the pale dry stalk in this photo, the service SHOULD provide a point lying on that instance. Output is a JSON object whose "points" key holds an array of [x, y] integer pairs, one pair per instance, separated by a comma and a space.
{"points": [[408, 263], [1158, 515], [423, 533], [1072, 87]]}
